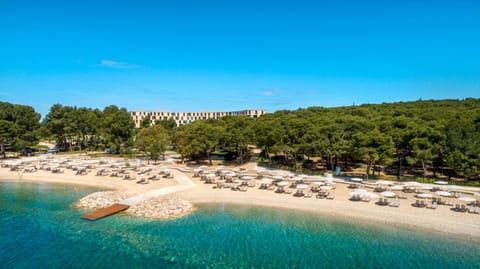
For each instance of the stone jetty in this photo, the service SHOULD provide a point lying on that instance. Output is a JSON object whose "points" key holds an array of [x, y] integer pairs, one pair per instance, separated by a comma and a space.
{"points": [[101, 199], [158, 208], [161, 208]]}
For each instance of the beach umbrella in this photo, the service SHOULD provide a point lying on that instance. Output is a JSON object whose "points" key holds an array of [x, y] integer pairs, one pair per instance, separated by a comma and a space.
{"points": [[388, 194], [327, 175], [397, 188], [443, 193], [371, 195], [384, 182], [282, 183], [425, 195], [266, 180], [247, 177], [356, 179], [426, 187], [441, 182], [412, 183], [360, 191], [277, 177], [466, 199], [302, 186], [326, 188], [318, 183]]}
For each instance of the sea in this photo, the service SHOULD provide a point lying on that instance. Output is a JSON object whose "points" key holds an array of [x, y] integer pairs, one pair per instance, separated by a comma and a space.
{"points": [[41, 228]]}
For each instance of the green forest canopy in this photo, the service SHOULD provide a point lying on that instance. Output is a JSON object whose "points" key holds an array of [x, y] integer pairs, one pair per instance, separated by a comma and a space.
{"points": [[427, 134]]}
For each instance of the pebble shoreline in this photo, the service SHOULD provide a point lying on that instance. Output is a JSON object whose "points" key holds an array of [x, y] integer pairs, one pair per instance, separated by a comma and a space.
{"points": [[157, 208]]}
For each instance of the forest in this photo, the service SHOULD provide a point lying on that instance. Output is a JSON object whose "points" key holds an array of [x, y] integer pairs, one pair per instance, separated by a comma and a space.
{"points": [[427, 139]]}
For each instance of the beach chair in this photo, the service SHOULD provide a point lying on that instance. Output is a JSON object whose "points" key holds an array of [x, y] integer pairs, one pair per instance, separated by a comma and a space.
{"points": [[355, 197], [365, 198], [394, 204], [298, 193], [432, 205], [307, 195], [331, 196], [143, 181], [153, 177]]}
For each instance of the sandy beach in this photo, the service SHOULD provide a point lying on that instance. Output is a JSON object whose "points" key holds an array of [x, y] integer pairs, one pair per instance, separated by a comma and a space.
{"points": [[439, 220]]}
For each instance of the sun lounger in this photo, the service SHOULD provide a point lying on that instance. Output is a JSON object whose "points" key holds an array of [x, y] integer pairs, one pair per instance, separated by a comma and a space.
{"points": [[419, 203], [331, 196], [57, 171], [382, 202], [394, 204], [128, 177], [355, 197], [471, 210], [365, 198], [143, 181], [307, 195], [298, 194], [153, 177], [459, 208]]}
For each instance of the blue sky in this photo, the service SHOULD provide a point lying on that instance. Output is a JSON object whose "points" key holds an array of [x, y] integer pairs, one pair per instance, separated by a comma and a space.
{"points": [[232, 55]]}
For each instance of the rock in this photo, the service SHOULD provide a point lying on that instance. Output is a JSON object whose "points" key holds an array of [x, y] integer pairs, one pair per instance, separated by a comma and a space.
{"points": [[159, 208]]}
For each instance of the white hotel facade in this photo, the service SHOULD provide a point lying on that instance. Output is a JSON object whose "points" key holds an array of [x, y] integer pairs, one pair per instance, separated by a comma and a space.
{"points": [[182, 118]]}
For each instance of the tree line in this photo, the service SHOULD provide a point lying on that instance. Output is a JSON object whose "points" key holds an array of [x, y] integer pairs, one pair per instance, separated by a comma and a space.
{"points": [[433, 135]]}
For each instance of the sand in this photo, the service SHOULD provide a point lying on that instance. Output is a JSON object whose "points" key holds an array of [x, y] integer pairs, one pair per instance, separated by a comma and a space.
{"points": [[441, 220]]}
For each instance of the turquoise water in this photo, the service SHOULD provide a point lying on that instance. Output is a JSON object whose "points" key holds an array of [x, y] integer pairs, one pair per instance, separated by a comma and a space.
{"points": [[39, 228]]}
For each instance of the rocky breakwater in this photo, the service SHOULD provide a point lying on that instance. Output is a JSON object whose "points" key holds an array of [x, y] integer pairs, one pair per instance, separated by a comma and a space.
{"points": [[102, 199], [161, 208], [158, 208]]}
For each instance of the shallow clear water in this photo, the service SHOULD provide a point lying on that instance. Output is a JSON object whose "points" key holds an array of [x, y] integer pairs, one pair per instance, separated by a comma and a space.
{"points": [[39, 228]]}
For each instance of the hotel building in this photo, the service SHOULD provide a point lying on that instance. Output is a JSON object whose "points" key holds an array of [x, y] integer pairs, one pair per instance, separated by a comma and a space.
{"points": [[182, 118]]}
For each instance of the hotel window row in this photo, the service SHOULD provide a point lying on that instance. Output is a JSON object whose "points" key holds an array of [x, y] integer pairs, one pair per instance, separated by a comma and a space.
{"points": [[182, 118]]}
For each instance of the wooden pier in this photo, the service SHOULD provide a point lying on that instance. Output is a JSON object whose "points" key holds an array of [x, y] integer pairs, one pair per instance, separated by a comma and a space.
{"points": [[105, 212]]}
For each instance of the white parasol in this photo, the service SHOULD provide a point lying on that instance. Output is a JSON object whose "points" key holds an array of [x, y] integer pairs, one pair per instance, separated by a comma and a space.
{"points": [[443, 193], [388, 194], [467, 199]]}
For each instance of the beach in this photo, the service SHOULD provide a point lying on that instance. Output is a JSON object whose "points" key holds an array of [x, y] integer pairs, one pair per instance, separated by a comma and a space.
{"points": [[439, 220]]}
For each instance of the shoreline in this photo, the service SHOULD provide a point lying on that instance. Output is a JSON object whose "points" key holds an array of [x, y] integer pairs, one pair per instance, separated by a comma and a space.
{"points": [[441, 221], [353, 220]]}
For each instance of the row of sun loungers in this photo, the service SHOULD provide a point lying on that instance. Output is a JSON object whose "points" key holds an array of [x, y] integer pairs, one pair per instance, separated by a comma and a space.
{"points": [[464, 208]]}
